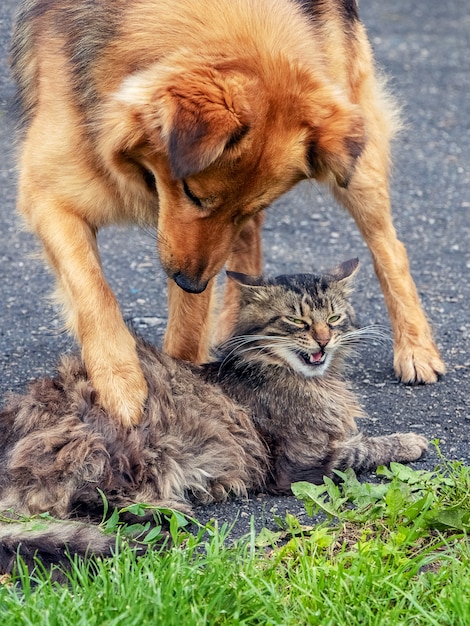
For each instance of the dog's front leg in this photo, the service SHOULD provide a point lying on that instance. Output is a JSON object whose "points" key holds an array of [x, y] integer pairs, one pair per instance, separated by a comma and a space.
{"points": [[416, 358], [246, 257], [92, 312], [189, 323]]}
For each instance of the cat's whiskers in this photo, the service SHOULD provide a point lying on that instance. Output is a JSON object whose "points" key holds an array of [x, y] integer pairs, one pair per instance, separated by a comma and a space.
{"points": [[237, 343], [265, 346], [268, 349], [372, 332], [242, 344], [247, 338], [240, 340]]}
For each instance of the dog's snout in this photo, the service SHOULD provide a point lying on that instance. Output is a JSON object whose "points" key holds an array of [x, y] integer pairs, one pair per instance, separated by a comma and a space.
{"points": [[188, 284]]}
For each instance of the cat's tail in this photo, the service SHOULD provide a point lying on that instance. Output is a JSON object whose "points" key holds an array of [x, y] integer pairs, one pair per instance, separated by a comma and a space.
{"points": [[364, 453], [51, 545]]}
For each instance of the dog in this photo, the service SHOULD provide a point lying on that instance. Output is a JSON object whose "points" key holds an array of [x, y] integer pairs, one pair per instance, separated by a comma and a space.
{"points": [[193, 116]]}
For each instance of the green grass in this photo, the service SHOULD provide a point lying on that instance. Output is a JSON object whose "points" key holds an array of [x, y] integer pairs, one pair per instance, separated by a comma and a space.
{"points": [[388, 553]]}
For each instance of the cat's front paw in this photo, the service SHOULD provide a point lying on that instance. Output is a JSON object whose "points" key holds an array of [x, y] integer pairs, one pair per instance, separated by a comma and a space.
{"points": [[415, 364]]}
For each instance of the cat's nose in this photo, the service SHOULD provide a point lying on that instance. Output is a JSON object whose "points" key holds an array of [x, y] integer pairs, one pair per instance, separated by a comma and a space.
{"points": [[322, 335]]}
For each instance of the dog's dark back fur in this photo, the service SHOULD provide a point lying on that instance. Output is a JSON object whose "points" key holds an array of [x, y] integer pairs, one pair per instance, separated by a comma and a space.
{"points": [[273, 408]]}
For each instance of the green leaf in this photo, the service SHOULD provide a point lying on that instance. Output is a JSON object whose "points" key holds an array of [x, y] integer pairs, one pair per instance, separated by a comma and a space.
{"points": [[181, 519], [312, 496], [112, 523], [135, 530], [268, 537], [155, 534], [420, 507], [395, 501], [413, 477], [138, 509], [174, 527], [105, 504], [457, 518]]}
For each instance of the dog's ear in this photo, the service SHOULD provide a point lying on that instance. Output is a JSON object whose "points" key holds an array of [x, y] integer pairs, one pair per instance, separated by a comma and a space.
{"points": [[336, 140], [207, 118], [193, 115]]}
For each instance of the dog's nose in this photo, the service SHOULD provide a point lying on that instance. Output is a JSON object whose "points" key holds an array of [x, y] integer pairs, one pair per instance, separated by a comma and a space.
{"points": [[188, 284]]}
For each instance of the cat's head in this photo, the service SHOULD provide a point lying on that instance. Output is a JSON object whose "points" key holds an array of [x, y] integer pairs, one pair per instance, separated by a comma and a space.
{"points": [[300, 321]]}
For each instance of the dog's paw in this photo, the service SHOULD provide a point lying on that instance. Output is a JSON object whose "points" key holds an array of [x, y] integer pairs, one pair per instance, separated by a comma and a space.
{"points": [[126, 398], [418, 364], [114, 371], [122, 392]]}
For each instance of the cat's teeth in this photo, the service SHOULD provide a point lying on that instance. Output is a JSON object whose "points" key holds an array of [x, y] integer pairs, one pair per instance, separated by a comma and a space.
{"points": [[315, 358]]}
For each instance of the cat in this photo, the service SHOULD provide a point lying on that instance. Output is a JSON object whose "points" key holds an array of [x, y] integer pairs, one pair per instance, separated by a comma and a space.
{"points": [[272, 408]]}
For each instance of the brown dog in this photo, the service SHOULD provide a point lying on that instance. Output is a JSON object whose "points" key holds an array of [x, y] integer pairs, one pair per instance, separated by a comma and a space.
{"points": [[193, 116]]}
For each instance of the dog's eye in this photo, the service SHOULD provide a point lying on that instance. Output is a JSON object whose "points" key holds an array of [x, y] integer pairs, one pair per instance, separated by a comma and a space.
{"points": [[333, 319], [189, 194]]}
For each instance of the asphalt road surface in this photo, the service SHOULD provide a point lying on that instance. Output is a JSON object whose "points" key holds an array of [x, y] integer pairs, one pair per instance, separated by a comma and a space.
{"points": [[423, 48]]}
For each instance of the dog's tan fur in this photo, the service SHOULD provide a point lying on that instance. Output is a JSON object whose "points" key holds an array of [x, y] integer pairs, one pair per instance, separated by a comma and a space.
{"points": [[193, 116]]}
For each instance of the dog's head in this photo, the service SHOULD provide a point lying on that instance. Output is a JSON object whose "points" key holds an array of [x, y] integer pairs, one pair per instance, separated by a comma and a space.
{"points": [[223, 142]]}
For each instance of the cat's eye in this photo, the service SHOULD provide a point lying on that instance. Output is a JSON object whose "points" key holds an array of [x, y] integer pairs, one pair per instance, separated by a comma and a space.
{"points": [[333, 319], [296, 321]]}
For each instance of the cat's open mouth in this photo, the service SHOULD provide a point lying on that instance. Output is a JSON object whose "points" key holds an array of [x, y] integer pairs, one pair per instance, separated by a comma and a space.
{"points": [[314, 359]]}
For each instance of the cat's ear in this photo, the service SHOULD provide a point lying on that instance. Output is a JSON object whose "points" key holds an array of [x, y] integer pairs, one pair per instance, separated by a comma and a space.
{"points": [[345, 272], [251, 288], [246, 280]]}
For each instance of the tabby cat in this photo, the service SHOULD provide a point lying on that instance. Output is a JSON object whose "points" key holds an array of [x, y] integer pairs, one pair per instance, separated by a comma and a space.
{"points": [[272, 408]]}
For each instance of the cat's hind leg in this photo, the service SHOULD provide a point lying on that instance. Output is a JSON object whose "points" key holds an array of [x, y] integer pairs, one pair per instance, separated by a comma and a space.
{"points": [[363, 453]]}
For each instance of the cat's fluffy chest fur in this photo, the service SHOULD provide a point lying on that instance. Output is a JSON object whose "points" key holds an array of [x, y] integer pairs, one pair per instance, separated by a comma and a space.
{"points": [[296, 417]]}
